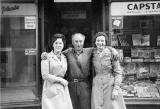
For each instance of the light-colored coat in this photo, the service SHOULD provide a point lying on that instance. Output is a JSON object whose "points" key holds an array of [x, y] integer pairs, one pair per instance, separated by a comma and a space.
{"points": [[55, 95], [106, 81]]}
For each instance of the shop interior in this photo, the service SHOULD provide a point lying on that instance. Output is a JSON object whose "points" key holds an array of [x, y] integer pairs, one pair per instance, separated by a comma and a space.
{"points": [[69, 18]]}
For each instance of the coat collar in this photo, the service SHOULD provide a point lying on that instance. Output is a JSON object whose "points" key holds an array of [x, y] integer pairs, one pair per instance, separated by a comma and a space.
{"points": [[52, 55]]}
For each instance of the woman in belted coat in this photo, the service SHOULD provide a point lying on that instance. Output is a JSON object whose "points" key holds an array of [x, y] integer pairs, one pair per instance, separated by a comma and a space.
{"points": [[55, 94], [108, 76]]}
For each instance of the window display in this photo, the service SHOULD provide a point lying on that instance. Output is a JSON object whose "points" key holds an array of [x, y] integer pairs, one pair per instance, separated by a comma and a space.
{"points": [[141, 54], [138, 37]]}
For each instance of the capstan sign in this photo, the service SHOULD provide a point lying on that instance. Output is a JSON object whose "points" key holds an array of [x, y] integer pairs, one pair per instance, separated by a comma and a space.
{"points": [[135, 8]]}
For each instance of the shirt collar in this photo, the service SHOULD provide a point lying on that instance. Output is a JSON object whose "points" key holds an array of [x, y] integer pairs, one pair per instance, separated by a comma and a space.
{"points": [[76, 52]]}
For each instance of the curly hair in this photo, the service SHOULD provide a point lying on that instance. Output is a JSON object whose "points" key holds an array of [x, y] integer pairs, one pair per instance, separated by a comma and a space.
{"points": [[100, 34], [58, 36]]}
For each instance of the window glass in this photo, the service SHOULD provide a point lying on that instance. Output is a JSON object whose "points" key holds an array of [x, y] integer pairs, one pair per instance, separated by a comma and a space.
{"points": [[17, 68]]}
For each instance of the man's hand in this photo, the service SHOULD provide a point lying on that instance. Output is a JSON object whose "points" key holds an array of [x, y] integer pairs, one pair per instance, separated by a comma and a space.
{"points": [[44, 55]]}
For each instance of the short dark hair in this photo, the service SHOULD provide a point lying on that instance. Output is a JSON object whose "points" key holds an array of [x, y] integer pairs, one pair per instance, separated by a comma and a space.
{"points": [[100, 34], [58, 36]]}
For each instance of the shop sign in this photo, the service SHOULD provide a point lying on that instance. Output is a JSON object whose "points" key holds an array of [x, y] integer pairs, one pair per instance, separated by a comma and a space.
{"points": [[73, 15], [17, 9], [30, 22], [72, 1], [135, 8], [30, 51], [117, 22]]}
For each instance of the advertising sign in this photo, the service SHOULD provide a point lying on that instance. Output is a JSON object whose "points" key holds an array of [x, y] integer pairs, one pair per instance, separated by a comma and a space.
{"points": [[30, 22], [135, 8], [30, 51], [73, 15], [17, 9], [117, 22]]}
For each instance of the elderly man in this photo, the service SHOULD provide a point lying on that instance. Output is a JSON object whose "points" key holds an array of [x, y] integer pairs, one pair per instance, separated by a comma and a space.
{"points": [[79, 75], [79, 72]]}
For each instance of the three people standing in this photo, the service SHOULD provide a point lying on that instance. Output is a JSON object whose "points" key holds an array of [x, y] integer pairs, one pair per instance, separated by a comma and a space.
{"points": [[105, 86]]}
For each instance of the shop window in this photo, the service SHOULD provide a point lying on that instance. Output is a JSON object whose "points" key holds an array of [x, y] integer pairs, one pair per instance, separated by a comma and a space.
{"points": [[17, 65], [137, 42]]}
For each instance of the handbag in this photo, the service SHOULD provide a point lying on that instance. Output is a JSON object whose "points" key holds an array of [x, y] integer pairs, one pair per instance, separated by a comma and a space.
{"points": [[51, 91]]}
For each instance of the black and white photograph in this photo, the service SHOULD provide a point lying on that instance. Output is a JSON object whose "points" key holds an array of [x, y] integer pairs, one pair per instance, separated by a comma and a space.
{"points": [[79, 54]]}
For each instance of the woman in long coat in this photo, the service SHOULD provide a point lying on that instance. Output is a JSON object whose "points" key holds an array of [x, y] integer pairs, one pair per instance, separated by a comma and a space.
{"points": [[108, 76], [55, 94]]}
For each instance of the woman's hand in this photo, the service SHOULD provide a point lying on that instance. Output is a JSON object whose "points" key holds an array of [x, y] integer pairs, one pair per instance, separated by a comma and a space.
{"points": [[44, 55], [115, 94], [62, 81]]}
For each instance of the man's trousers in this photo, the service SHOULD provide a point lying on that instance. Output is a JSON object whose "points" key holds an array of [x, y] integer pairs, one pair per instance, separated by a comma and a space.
{"points": [[80, 93]]}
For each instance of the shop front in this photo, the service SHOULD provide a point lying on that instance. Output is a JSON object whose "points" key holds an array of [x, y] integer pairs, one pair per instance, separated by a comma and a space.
{"points": [[27, 27], [134, 29]]}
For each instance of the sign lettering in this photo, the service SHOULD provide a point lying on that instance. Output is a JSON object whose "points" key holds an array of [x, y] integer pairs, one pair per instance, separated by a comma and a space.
{"points": [[135, 8], [9, 8], [30, 51], [142, 6], [30, 22], [17, 9]]}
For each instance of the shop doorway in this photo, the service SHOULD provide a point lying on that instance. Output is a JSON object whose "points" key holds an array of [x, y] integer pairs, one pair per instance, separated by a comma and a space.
{"points": [[68, 18]]}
